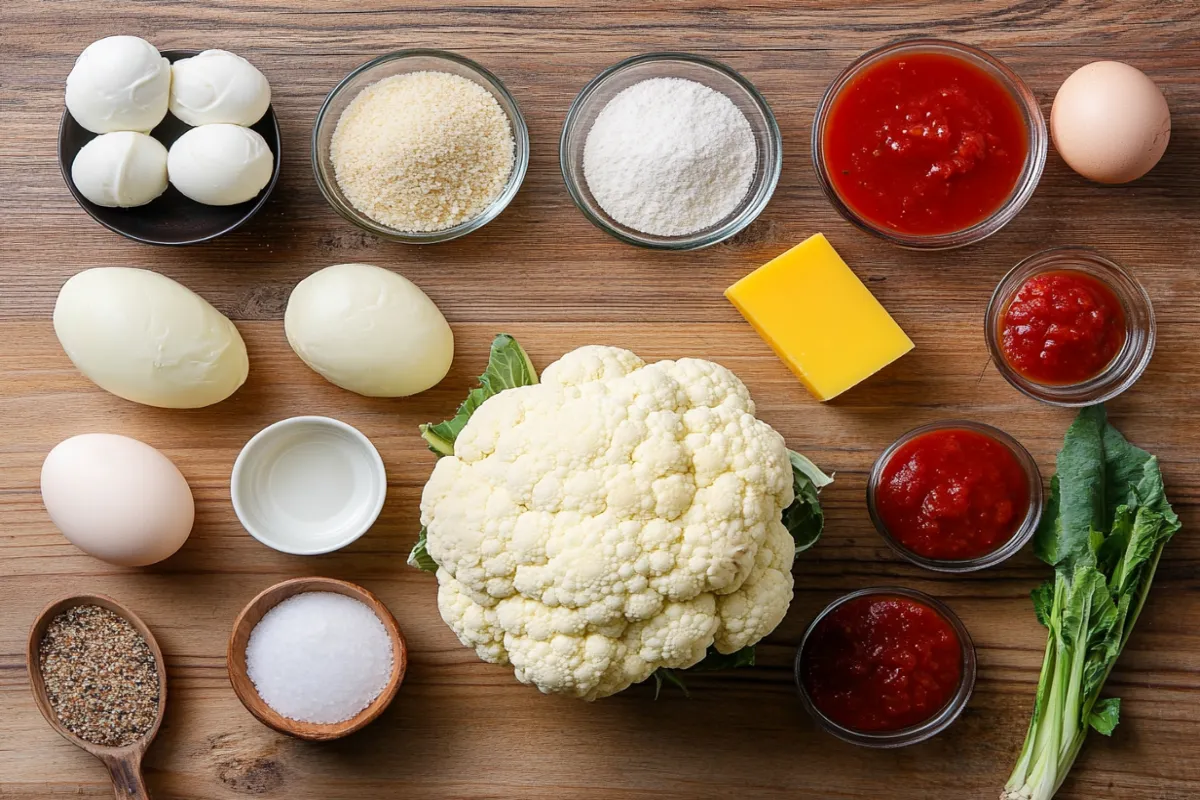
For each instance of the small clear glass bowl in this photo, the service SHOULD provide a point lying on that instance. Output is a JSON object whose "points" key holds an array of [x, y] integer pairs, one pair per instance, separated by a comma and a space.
{"points": [[1140, 330], [1035, 126], [596, 95], [905, 736], [1020, 537], [399, 63]]}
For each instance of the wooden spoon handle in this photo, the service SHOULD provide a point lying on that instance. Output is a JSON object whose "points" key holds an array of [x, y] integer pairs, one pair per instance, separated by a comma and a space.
{"points": [[127, 781]]}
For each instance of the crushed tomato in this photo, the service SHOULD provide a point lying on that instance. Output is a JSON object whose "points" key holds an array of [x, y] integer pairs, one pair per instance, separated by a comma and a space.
{"points": [[952, 494], [925, 143], [1062, 327], [881, 663]]}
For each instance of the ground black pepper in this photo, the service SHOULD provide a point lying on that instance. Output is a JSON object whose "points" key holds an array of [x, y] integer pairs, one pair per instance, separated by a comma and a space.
{"points": [[100, 676]]}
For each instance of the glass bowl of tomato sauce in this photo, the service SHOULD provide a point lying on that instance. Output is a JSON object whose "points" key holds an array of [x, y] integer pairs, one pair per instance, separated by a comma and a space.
{"points": [[1070, 328], [955, 496], [885, 667], [929, 144]]}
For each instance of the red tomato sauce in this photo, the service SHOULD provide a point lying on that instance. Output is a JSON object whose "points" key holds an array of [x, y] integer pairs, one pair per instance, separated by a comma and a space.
{"points": [[881, 663], [1062, 327], [925, 143], [952, 494]]}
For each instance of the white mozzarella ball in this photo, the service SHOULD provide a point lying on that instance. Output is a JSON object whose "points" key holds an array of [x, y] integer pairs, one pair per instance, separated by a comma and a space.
{"points": [[218, 86], [369, 330], [220, 165], [121, 169], [146, 338], [117, 499], [119, 84]]}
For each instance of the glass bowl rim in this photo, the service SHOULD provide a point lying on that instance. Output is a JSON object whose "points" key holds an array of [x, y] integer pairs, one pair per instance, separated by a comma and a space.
{"points": [[1111, 381], [1038, 140], [516, 178], [694, 241], [1021, 536], [914, 734]]}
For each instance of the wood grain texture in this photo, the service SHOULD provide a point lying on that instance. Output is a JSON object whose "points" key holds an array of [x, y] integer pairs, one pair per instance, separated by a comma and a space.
{"points": [[460, 728]]}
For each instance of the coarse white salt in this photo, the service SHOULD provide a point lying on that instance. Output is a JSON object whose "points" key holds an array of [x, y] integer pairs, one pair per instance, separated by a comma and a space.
{"points": [[423, 151], [319, 657], [669, 157]]}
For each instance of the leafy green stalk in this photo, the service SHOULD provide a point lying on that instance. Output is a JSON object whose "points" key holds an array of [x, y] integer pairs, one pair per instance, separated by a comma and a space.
{"points": [[1025, 760], [509, 367], [1106, 522]]}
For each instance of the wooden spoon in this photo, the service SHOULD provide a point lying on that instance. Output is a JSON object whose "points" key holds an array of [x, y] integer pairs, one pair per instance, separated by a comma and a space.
{"points": [[124, 763], [244, 687]]}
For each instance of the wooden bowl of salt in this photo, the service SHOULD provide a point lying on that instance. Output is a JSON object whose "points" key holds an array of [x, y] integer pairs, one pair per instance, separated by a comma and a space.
{"points": [[329, 618]]}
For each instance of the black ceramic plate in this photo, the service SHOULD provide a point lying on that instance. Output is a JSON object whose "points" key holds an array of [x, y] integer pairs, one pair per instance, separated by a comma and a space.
{"points": [[171, 219]]}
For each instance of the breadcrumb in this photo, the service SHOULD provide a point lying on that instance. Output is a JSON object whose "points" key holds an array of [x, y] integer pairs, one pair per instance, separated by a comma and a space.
{"points": [[423, 151]]}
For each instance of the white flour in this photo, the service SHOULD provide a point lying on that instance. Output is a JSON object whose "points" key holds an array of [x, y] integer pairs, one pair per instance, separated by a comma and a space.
{"points": [[669, 156]]}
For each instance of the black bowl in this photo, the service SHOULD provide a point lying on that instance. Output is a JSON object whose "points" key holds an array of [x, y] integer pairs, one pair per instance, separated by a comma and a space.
{"points": [[170, 219]]}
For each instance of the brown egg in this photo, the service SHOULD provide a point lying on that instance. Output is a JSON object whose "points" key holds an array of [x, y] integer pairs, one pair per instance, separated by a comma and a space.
{"points": [[1110, 122]]}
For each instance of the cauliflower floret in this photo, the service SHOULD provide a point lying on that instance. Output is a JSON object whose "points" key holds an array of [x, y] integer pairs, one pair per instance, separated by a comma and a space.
{"points": [[616, 518]]}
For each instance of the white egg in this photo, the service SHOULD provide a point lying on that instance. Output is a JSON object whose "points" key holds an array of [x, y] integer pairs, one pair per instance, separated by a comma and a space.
{"points": [[220, 165], [120, 83], [1110, 122], [146, 338], [117, 499], [218, 86], [369, 330], [121, 169]]}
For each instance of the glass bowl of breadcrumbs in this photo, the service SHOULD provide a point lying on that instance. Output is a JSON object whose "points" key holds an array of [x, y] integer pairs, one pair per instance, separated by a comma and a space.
{"points": [[420, 146]]}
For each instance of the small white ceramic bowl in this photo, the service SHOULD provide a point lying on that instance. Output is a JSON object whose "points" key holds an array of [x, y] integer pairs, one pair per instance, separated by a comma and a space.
{"points": [[308, 485]]}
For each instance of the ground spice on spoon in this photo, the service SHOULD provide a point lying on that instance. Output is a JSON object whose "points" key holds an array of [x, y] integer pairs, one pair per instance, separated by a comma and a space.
{"points": [[100, 676]]}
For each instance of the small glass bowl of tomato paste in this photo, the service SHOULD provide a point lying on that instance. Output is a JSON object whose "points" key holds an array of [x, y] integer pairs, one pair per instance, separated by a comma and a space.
{"points": [[929, 144], [955, 496], [885, 667], [1070, 328]]}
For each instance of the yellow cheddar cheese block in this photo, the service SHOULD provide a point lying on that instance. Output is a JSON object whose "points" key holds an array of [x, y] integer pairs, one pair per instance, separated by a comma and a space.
{"points": [[819, 318]]}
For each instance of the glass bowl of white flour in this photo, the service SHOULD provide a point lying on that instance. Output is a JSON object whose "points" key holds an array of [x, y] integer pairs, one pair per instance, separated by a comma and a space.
{"points": [[670, 151]]}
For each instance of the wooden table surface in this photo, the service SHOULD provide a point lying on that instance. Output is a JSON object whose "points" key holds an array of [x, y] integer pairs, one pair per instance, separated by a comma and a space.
{"points": [[461, 728]]}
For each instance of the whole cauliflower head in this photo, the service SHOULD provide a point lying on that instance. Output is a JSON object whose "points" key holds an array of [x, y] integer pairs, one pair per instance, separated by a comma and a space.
{"points": [[616, 518]]}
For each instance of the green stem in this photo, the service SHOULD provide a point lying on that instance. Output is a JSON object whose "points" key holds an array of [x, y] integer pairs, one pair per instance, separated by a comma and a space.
{"points": [[1071, 705], [1068, 760], [1045, 770], [438, 444], [1021, 772], [1136, 611]]}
